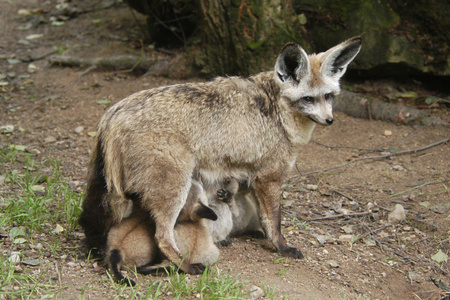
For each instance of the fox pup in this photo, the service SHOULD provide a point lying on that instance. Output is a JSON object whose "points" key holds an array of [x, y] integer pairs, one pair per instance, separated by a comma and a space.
{"points": [[222, 201], [251, 129], [132, 242]]}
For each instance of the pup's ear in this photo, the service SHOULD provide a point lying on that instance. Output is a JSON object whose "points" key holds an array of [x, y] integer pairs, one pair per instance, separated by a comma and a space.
{"points": [[292, 63], [204, 212], [336, 59]]}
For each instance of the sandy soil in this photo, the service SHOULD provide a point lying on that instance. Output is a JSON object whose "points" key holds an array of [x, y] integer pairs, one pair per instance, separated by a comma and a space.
{"points": [[385, 262]]}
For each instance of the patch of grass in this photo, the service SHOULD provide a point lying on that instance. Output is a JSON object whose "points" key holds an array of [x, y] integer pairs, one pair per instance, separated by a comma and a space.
{"points": [[24, 284], [34, 199]]}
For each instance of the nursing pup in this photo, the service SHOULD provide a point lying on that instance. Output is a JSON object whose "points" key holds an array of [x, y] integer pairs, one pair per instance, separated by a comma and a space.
{"points": [[132, 241], [150, 144]]}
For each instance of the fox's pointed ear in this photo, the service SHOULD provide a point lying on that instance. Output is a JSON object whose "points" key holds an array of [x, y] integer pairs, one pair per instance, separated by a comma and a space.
{"points": [[292, 63], [336, 59], [205, 212]]}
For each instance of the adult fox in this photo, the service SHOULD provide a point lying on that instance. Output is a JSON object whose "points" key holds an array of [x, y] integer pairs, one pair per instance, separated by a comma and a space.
{"points": [[151, 144]]}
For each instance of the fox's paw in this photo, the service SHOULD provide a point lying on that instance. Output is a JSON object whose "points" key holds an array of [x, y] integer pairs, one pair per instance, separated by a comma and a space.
{"points": [[225, 243], [195, 269], [223, 195], [126, 281], [292, 252]]}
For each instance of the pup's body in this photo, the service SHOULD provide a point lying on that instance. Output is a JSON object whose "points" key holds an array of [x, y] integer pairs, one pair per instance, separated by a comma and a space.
{"points": [[222, 201], [132, 241], [150, 144]]}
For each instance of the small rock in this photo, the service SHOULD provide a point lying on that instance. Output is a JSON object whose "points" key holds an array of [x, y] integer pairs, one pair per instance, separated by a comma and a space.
{"points": [[14, 257], [18, 269], [398, 168], [312, 187], [74, 184], [288, 203], [387, 133], [440, 208], [49, 139], [333, 264], [2, 179], [347, 228], [323, 238], [414, 277], [79, 129], [257, 292], [397, 215], [345, 238], [7, 128], [72, 264]]}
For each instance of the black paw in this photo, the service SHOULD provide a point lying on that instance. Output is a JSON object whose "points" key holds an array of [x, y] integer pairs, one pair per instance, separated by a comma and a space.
{"points": [[256, 234], [126, 281], [195, 269], [292, 252], [225, 243], [223, 195]]}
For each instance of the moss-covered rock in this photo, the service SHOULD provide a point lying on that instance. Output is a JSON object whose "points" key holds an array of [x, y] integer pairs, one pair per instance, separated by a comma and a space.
{"points": [[409, 34]]}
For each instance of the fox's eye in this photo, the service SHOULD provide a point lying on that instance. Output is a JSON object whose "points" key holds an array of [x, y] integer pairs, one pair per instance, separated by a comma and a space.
{"points": [[329, 96], [308, 99]]}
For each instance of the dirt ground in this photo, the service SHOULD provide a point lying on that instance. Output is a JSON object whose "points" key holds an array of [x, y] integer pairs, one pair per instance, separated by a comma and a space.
{"points": [[356, 257]]}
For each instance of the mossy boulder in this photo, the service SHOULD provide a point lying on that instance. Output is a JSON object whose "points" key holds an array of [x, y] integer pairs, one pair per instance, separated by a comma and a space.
{"points": [[402, 37]]}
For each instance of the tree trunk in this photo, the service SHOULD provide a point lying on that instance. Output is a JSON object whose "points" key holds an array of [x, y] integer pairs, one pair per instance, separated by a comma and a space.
{"points": [[244, 36]]}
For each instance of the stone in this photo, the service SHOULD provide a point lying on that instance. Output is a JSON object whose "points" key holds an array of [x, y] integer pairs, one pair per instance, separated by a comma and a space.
{"points": [[397, 215]]}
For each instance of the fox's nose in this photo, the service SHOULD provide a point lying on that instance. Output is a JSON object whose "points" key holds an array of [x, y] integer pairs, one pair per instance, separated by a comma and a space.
{"points": [[330, 121]]}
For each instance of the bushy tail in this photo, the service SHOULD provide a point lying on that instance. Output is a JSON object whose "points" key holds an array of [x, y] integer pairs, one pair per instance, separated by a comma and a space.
{"points": [[94, 219]]}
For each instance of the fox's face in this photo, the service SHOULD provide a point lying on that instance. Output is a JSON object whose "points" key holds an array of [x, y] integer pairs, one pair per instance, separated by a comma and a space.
{"points": [[310, 83]]}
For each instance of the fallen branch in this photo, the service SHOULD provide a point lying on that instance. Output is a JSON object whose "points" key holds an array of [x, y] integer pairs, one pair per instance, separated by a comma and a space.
{"points": [[362, 106], [340, 216], [116, 63], [156, 65], [444, 141]]}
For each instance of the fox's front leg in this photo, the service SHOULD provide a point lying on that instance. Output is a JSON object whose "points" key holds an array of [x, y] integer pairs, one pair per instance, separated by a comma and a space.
{"points": [[268, 192]]}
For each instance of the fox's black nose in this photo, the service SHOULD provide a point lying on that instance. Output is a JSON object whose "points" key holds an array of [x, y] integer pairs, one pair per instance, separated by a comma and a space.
{"points": [[330, 121]]}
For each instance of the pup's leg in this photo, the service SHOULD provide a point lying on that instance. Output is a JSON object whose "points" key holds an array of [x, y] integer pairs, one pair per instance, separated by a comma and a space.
{"points": [[115, 261], [268, 192]]}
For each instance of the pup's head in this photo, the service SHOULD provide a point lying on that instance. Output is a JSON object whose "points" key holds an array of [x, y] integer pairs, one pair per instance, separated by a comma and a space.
{"points": [[196, 207], [311, 82]]}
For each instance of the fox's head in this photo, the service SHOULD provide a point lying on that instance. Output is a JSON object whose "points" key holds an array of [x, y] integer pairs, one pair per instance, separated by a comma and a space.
{"points": [[310, 82]]}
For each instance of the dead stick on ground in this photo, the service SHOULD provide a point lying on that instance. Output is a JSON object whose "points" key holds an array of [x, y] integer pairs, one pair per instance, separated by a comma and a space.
{"points": [[375, 157], [371, 232], [340, 216]]}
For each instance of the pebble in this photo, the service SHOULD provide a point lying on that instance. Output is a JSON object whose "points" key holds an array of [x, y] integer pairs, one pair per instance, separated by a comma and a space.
{"points": [[257, 292], [79, 129], [387, 133], [345, 238], [49, 139], [14, 257], [7, 128], [333, 264], [312, 187], [397, 215]]}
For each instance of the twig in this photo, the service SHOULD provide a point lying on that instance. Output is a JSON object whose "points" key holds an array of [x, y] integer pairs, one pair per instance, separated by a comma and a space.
{"points": [[421, 240], [346, 196], [371, 232], [340, 216], [376, 157], [86, 71], [347, 147], [415, 187]]}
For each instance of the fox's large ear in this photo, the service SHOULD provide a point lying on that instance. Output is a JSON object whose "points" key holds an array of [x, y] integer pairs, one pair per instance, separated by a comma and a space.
{"points": [[336, 59], [205, 212], [292, 63]]}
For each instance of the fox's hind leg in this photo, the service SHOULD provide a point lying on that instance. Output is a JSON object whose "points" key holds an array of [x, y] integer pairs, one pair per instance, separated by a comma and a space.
{"points": [[167, 179]]}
